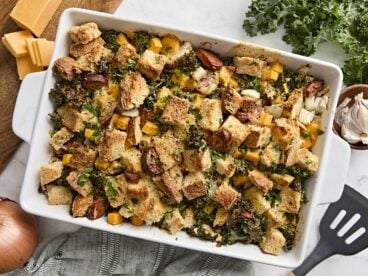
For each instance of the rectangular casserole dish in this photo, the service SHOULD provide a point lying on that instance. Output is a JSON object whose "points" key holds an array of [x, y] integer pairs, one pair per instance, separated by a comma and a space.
{"points": [[30, 122]]}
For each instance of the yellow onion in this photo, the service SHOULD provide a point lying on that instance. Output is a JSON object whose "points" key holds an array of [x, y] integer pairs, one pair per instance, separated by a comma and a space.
{"points": [[18, 235]]}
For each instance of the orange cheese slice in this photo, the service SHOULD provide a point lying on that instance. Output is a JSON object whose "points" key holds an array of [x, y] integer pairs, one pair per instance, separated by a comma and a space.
{"points": [[25, 66], [34, 15], [30, 49], [44, 50], [16, 42]]}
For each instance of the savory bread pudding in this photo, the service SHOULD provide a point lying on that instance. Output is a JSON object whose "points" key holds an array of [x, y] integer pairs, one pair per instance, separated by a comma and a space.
{"points": [[151, 130]]}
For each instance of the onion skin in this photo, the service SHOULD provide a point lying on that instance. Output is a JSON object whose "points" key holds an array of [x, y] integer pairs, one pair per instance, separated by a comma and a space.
{"points": [[18, 235]]}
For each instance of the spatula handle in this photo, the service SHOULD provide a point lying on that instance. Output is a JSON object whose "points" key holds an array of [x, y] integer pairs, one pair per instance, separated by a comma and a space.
{"points": [[321, 252]]}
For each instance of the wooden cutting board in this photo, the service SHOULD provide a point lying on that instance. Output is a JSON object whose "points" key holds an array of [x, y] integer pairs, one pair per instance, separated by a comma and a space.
{"points": [[9, 82]]}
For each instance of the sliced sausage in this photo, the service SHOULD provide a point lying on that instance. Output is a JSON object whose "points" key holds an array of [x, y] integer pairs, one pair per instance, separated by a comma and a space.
{"points": [[151, 162], [220, 141], [208, 59], [132, 177], [95, 81], [314, 87], [249, 111], [97, 209], [145, 115]]}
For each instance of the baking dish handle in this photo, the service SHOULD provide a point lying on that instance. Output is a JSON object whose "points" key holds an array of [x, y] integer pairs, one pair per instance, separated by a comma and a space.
{"points": [[336, 170], [26, 106]]}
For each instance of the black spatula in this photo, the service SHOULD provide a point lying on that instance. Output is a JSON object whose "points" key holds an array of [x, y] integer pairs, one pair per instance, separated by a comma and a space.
{"points": [[345, 219]]}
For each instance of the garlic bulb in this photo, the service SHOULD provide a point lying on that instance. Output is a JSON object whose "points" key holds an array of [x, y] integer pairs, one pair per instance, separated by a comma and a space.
{"points": [[354, 120]]}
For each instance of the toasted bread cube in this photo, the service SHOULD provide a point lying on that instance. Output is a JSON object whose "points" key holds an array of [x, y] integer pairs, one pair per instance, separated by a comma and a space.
{"points": [[226, 196], [155, 45], [307, 160], [272, 242], [151, 209], [50, 172], [260, 180], [283, 133], [282, 180], [84, 33], [167, 147], [222, 215], [258, 136], [225, 75], [194, 185], [58, 195], [127, 209], [131, 159], [231, 100], [293, 105], [238, 130], [73, 120], [78, 50], [290, 201], [176, 56], [151, 64], [81, 205], [199, 73], [60, 137], [134, 135], [175, 222], [275, 218], [116, 190], [258, 200], [114, 218], [170, 183], [125, 53], [113, 145], [195, 160], [138, 190], [226, 166], [133, 91], [83, 188], [189, 217], [271, 154], [175, 112], [253, 155], [211, 114], [249, 66]]}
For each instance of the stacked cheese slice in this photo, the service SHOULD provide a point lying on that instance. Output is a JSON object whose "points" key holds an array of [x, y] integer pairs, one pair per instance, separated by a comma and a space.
{"points": [[32, 54]]}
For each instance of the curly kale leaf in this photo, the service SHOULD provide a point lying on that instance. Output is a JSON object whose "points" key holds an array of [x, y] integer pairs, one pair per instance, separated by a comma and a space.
{"points": [[309, 23]]}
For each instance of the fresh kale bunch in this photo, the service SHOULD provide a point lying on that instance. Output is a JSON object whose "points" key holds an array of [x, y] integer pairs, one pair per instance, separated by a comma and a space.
{"points": [[308, 23]]}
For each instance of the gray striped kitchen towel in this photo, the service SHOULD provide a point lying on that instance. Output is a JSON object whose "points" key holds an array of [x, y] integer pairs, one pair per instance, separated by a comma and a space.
{"points": [[91, 252]]}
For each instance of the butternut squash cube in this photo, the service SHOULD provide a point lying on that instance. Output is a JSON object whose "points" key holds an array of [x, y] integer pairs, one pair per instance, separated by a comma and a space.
{"points": [[67, 158], [101, 164], [269, 74], [170, 44], [150, 129], [121, 39], [253, 156], [265, 119], [197, 101], [120, 122], [277, 66], [114, 218], [155, 45]]}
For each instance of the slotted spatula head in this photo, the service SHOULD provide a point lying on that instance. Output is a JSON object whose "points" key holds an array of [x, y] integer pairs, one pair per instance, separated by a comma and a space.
{"points": [[343, 229], [345, 220]]}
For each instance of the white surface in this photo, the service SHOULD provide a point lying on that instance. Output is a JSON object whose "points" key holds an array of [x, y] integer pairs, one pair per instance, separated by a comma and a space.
{"points": [[224, 18]]}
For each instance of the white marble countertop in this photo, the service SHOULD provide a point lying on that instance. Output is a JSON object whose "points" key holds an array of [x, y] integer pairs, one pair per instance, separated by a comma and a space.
{"points": [[222, 18]]}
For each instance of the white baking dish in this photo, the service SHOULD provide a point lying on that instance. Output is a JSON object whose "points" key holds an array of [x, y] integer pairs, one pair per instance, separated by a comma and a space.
{"points": [[30, 122]]}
